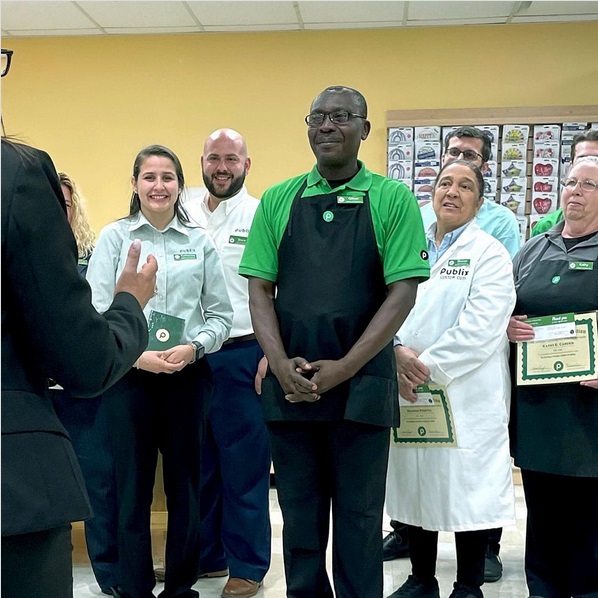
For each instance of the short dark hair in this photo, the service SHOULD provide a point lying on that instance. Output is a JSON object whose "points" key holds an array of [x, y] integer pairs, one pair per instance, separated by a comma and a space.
{"points": [[358, 99], [475, 133], [476, 171], [588, 135], [162, 152]]}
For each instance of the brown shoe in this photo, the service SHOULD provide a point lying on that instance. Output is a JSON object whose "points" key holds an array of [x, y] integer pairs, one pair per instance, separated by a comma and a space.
{"points": [[235, 587], [160, 574]]}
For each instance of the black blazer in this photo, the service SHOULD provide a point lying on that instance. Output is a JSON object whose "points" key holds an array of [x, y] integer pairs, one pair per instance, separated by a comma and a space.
{"points": [[49, 330]]}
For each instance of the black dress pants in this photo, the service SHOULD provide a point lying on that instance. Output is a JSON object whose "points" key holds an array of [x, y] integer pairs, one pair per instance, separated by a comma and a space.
{"points": [[38, 565], [561, 560], [319, 465], [166, 412], [471, 552]]}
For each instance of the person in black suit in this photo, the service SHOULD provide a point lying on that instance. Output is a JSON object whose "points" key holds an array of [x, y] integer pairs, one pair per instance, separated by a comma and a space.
{"points": [[51, 330]]}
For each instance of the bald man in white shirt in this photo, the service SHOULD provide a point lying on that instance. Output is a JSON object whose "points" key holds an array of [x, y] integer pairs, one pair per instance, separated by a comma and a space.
{"points": [[235, 489]]}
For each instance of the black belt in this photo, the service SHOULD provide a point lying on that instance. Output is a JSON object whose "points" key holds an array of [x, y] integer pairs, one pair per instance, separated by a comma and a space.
{"points": [[239, 339]]}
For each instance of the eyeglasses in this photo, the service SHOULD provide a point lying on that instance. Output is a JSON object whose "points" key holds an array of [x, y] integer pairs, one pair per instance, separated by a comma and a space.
{"points": [[339, 117], [585, 185], [6, 60], [469, 155]]}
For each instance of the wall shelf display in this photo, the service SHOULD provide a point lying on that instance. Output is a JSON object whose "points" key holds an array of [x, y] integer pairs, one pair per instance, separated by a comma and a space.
{"points": [[531, 149]]}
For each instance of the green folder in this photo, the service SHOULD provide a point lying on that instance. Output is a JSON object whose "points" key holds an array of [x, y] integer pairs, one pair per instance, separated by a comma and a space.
{"points": [[165, 331]]}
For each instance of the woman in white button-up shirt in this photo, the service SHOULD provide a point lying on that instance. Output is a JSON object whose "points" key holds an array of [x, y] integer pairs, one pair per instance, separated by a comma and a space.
{"points": [[161, 403]]}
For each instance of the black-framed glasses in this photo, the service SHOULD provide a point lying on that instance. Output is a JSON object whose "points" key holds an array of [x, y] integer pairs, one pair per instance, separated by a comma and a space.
{"points": [[338, 117], [6, 60], [469, 155], [586, 185]]}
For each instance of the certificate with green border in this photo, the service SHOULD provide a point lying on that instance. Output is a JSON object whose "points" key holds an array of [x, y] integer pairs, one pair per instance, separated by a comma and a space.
{"points": [[427, 422], [555, 361]]}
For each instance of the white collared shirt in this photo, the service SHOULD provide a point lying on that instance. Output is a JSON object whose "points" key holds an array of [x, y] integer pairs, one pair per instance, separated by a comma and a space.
{"points": [[229, 226], [190, 278]]}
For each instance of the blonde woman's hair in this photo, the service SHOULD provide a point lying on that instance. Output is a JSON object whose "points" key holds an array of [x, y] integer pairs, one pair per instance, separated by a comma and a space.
{"points": [[83, 232]]}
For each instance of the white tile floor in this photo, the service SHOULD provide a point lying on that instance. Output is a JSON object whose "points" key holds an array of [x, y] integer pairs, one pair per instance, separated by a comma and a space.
{"points": [[512, 585]]}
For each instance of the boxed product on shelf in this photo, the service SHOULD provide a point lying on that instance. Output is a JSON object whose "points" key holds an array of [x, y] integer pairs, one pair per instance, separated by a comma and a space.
{"points": [[490, 186], [514, 201], [517, 134], [545, 167], [491, 131], [492, 197], [576, 127], [400, 135], [427, 150], [513, 151], [401, 151], [513, 184], [523, 223], [513, 168], [428, 169], [491, 169], [545, 184], [547, 133], [408, 182], [431, 133], [400, 169], [547, 149], [544, 203]]}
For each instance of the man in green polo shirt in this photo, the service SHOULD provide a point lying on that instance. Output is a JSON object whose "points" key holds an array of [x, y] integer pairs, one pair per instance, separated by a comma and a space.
{"points": [[584, 144], [333, 259]]}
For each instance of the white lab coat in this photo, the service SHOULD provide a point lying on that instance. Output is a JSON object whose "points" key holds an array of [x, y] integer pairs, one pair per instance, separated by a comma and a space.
{"points": [[458, 325]]}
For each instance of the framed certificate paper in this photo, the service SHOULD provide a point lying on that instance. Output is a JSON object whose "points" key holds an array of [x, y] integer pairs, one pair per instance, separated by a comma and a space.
{"points": [[427, 422], [558, 357]]}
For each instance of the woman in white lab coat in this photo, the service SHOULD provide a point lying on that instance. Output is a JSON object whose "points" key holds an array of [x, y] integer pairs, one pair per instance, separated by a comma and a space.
{"points": [[455, 336]]}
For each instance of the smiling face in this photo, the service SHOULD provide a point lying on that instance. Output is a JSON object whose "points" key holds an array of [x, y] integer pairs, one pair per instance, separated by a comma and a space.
{"points": [[580, 206], [457, 196], [336, 145], [158, 189], [224, 164]]}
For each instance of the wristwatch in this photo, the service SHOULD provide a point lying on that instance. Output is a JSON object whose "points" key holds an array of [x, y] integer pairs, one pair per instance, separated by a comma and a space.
{"points": [[199, 350]]}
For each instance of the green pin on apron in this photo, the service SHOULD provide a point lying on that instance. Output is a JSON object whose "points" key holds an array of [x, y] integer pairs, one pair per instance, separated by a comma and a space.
{"points": [[328, 216]]}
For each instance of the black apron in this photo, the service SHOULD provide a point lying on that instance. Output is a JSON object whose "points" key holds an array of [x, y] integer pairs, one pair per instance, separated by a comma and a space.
{"points": [[330, 286], [554, 427]]}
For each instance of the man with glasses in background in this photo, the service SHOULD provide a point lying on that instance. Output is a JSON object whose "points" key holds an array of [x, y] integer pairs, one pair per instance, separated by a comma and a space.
{"points": [[471, 144], [333, 259]]}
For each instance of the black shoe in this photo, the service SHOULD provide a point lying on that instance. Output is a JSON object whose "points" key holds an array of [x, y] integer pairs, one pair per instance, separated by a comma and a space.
{"points": [[492, 566], [117, 592], [462, 591], [395, 546], [415, 588]]}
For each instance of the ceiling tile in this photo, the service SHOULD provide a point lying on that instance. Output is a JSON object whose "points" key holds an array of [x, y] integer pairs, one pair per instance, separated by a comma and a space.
{"points": [[423, 11], [559, 8], [151, 30], [351, 12], [135, 15], [42, 15], [54, 32], [243, 13], [555, 18]]}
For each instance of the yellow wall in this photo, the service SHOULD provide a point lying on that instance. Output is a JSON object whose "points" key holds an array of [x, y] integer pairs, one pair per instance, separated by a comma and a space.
{"points": [[93, 102]]}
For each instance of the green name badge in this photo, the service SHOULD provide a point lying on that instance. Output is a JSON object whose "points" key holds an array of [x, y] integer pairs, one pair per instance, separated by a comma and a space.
{"points": [[458, 263], [581, 265], [165, 331], [350, 198], [237, 240], [184, 256]]}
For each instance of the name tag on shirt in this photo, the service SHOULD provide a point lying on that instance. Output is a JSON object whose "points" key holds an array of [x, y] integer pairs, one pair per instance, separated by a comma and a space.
{"points": [[581, 265], [349, 198], [184, 256], [237, 240]]}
